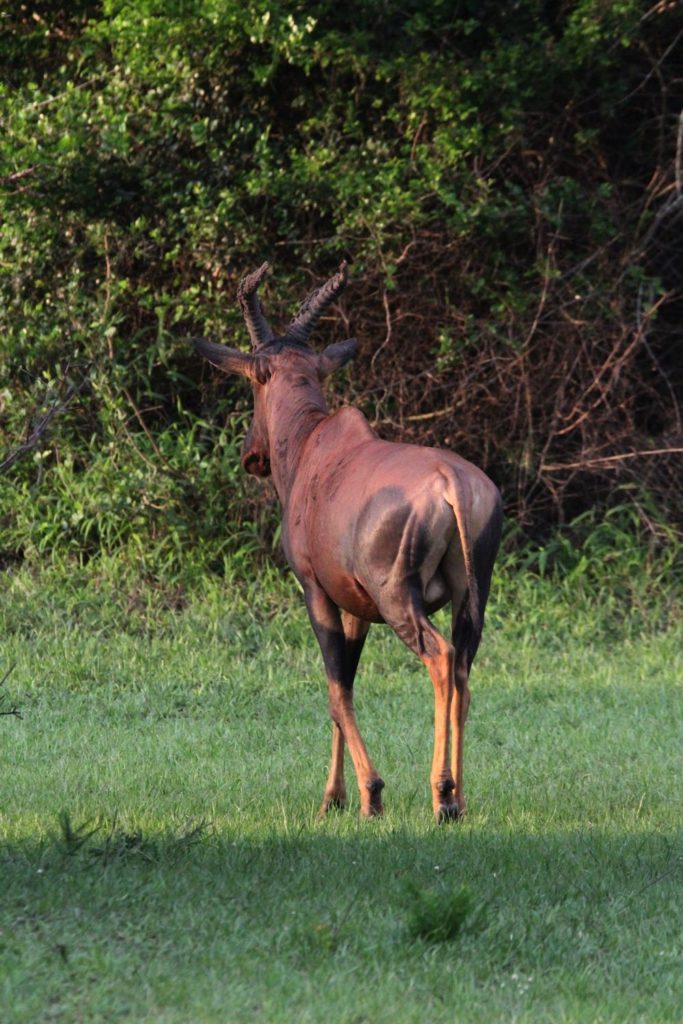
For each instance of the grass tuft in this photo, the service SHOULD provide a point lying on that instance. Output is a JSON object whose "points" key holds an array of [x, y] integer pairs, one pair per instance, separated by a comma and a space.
{"points": [[117, 845], [437, 915], [120, 846], [73, 838]]}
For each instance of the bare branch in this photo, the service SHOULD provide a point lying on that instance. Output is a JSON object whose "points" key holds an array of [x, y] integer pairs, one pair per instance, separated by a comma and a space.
{"points": [[603, 459], [387, 336], [679, 154]]}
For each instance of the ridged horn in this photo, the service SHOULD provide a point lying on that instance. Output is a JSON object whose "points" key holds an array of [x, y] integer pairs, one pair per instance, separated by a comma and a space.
{"points": [[252, 310], [315, 305]]}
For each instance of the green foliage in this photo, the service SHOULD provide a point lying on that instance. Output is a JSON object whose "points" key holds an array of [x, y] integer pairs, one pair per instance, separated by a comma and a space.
{"points": [[611, 561], [470, 161], [141, 496]]}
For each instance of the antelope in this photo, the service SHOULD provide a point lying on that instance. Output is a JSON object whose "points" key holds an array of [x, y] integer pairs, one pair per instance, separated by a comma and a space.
{"points": [[375, 531]]}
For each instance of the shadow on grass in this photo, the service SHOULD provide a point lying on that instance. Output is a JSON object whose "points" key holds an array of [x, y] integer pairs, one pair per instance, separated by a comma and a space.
{"points": [[539, 902]]}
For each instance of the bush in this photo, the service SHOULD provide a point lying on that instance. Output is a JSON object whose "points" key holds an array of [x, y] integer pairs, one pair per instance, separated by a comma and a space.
{"points": [[506, 187]]}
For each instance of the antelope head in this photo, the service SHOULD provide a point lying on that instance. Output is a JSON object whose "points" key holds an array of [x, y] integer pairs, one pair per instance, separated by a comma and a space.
{"points": [[279, 362]]}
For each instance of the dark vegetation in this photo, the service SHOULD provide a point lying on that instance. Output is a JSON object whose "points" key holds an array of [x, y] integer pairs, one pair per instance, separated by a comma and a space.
{"points": [[505, 178]]}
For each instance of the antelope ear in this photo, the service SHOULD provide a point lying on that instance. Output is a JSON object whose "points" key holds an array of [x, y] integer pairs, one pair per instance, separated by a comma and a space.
{"points": [[337, 355], [231, 360]]}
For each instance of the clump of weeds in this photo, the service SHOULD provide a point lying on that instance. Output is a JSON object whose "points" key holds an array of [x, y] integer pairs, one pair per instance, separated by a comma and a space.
{"points": [[116, 845], [438, 915]]}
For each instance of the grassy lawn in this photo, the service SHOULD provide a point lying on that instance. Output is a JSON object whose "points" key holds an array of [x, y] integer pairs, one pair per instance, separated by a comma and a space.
{"points": [[194, 748]]}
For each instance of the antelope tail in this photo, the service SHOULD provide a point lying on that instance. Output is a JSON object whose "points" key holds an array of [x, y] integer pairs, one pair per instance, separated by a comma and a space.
{"points": [[459, 497]]}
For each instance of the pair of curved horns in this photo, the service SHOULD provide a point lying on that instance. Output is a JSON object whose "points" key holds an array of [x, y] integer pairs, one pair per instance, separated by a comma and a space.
{"points": [[305, 320]]}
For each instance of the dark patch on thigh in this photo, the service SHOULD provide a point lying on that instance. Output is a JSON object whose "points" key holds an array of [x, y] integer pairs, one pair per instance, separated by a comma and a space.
{"points": [[381, 528]]}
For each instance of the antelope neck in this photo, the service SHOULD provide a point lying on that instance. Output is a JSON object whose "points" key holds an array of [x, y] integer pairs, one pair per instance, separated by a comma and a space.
{"points": [[293, 413]]}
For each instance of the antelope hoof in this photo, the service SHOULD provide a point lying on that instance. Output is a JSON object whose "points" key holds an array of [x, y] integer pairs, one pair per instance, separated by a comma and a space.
{"points": [[372, 811], [447, 807], [332, 802], [372, 806], [448, 812]]}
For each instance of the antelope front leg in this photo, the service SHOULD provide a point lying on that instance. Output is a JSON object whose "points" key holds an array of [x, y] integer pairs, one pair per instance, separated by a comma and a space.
{"points": [[335, 788], [370, 785], [338, 656], [355, 632]]}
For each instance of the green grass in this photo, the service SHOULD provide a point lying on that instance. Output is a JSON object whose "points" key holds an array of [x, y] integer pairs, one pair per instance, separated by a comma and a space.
{"points": [[160, 858]]}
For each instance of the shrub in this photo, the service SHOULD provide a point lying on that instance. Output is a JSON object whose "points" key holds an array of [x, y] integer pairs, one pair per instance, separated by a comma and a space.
{"points": [[506, 186]]}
